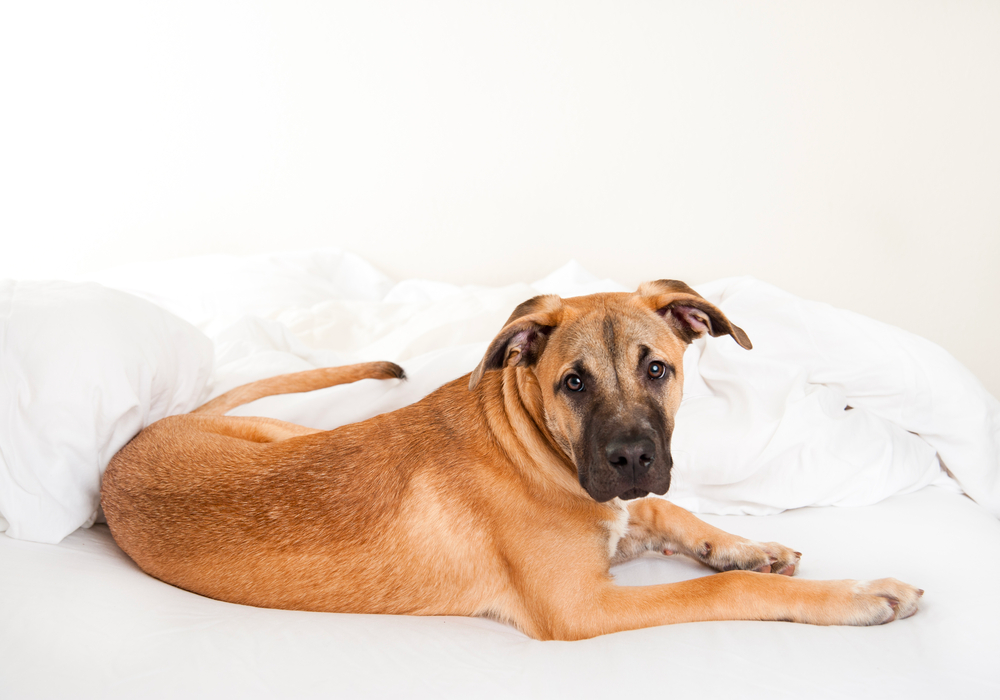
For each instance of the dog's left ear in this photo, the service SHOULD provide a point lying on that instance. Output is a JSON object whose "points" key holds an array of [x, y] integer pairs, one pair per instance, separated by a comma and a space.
{"points": [[523, 336], [689, 313]]}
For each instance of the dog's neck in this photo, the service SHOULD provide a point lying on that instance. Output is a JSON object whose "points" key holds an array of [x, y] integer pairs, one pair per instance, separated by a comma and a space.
{"points": [[512, 404]]}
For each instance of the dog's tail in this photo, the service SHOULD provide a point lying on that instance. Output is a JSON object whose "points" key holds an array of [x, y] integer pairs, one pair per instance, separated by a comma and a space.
{"points": [[309, 380]]}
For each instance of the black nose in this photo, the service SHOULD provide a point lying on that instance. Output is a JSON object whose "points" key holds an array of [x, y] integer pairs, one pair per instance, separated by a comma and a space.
{"points": [[631, 457]]}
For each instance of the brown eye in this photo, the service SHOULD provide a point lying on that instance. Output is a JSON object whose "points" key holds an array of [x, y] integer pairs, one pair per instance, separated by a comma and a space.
{"points": [[574, 383], [657, 370]]}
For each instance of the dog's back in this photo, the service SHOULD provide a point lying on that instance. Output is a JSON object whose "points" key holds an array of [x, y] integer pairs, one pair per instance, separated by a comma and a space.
{"points": [[355, 517]]}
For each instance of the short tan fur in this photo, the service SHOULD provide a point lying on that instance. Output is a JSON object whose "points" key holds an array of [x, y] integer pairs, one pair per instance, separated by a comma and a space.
{"points": [[507, 493]]}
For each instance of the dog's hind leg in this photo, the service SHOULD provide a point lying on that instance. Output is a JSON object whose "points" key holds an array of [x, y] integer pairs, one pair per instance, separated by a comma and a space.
{"points": [[252, 428]]}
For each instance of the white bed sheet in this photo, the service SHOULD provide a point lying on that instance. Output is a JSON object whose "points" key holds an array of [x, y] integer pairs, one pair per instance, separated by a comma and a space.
{"points": [[80, 620], [758, 431]]}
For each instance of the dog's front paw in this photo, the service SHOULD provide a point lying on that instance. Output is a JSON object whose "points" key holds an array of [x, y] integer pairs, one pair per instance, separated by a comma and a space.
{"points": [[884, 600], [862, 602], [736, 553]]}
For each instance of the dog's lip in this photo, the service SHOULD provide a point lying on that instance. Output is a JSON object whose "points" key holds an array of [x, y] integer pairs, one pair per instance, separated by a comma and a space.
{"points": [[633, 493], [655, 482]]}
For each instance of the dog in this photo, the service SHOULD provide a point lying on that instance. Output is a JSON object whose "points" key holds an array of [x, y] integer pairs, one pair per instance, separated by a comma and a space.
{"points": [[507, 493]]}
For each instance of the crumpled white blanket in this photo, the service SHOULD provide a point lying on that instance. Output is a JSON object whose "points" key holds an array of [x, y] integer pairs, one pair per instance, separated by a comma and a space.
{"points": [[758, 431]]}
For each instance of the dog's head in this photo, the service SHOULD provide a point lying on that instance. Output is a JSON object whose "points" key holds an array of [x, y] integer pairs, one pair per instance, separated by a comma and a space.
{"points": [[609, 370]]}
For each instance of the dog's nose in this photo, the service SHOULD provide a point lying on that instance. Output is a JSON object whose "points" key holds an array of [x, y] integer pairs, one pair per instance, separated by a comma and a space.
{"points": [[631, 457]]}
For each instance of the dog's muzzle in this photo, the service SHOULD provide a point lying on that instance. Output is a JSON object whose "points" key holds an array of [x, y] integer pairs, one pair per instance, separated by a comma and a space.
{"points": [[627, 466]]}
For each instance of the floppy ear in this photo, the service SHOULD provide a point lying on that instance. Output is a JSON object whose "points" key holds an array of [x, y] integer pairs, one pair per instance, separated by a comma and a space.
{"points": [[689, 313], [523, 336]]}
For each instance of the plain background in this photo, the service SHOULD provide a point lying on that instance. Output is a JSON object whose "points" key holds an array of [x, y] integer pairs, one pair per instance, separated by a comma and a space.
{"points": [[846, 151]]}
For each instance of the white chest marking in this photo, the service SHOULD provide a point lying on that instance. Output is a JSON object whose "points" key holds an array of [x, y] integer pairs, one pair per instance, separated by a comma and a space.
{"points": [[617, 527]]}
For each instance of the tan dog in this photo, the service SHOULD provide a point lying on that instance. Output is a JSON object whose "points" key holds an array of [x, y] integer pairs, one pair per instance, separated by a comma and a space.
{"points": [[506, 494]]}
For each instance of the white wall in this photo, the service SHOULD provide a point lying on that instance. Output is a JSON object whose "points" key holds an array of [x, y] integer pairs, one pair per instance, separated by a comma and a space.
{"points": [[847, 151]]}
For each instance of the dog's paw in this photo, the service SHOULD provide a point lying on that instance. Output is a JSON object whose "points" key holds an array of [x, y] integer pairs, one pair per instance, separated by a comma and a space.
{"points": [[735, 553], [863, 603], [883, 600]]}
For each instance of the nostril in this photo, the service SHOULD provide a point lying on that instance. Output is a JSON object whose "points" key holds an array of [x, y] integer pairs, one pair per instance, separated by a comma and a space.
{"points": [[631, 456]]}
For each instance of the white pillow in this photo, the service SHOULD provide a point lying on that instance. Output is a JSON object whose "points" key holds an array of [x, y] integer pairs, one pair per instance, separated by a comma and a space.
{"points": [[83, 369]]}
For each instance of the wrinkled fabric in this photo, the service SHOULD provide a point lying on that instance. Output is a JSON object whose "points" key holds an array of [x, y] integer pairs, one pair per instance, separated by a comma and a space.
{"points": [[829, 408], [83, 368]]}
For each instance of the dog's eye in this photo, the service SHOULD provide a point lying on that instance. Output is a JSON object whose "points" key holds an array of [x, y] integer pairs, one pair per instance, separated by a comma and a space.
{"points": [[657, 370], [574, 383]]}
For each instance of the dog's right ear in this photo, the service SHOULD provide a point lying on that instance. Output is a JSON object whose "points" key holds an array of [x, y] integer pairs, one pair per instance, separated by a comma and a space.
{"points": [[523, 336]]}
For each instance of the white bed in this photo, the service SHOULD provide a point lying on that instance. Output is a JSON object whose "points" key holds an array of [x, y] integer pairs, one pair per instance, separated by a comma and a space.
{"points": [[764, 433], [81, 620]]}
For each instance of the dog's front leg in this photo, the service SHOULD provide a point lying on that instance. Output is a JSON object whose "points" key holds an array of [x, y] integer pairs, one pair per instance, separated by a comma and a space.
{"points": [[602, 607], [658, 525]]}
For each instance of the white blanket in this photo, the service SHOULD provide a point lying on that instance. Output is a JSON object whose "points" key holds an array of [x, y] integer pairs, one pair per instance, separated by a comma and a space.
{"points": [[758, 432], [82, 621]]}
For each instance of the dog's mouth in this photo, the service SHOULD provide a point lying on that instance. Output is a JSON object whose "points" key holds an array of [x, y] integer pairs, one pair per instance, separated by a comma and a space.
{"points": [[603, 484], [633, 493]]}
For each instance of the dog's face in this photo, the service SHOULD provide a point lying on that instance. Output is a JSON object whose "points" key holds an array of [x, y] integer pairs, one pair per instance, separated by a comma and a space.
{"points": [[609, 369]]}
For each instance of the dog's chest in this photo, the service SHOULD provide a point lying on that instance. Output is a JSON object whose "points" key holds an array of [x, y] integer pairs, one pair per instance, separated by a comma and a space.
{"points": [[616, 526]]}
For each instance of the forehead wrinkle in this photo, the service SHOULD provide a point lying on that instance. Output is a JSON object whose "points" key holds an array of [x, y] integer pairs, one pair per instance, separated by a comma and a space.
{"points": [[642, 342], [643, 352], [606, 330], [611, 343], [576, 341]]}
